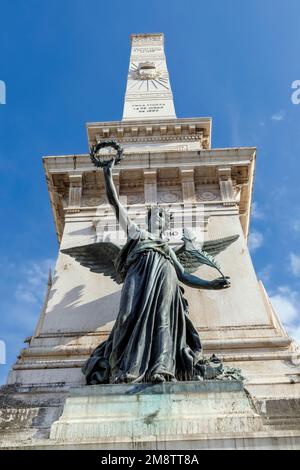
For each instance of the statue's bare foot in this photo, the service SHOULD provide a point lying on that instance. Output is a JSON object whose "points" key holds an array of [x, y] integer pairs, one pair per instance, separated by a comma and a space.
{"points": [[158, 378], [198, 378]]}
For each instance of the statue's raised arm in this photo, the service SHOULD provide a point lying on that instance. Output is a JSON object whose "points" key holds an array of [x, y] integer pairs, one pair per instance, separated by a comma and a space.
{"points": [[107, 163], [122, 215]]}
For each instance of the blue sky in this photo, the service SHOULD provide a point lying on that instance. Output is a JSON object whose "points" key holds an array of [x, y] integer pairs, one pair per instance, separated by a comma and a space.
{"points": [[64, 63]]}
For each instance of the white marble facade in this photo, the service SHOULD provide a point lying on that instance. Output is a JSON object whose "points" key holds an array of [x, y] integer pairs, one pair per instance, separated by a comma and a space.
{"points": [[168, 161]]}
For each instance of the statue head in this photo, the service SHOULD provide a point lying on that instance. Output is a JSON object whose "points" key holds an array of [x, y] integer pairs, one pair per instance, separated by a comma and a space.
{"points": [[158, 219]]}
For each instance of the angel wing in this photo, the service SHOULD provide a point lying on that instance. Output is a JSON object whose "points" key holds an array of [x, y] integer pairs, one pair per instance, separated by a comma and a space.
{"points": [[191, 256], [98, 257]]}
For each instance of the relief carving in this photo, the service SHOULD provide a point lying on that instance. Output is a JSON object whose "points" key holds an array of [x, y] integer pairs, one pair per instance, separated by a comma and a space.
{"points": [[168, 197], [94, 201], [206, 195], [135, 199]]}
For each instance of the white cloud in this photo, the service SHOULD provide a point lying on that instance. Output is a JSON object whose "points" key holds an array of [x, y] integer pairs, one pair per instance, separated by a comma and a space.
{"points": [[23, 295], [25, 285], [33, 279], [257, 212], [265, 273], [296, 225], [295, 264], [295, 333], [284, 302], [278, 116], [256, 240]]}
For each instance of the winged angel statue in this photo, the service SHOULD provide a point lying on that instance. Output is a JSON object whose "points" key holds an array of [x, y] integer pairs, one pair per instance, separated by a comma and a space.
{"points": [[153, 338]]}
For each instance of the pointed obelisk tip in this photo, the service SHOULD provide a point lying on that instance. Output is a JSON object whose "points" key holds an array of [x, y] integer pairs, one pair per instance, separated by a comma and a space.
{"points": [[147, 36]]}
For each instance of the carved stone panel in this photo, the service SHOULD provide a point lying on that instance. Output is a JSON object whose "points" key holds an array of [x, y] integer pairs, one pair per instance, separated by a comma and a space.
{"points": [[94, 201], [137, 198], [169, 197], [207, 193]]}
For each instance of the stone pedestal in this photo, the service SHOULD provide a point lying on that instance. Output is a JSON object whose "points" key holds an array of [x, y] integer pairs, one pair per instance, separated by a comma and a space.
{"points": [[180, 411]]}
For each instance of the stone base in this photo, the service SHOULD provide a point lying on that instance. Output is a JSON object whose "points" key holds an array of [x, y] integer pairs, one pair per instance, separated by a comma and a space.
{"points": [[173, 416], [164, 412]]}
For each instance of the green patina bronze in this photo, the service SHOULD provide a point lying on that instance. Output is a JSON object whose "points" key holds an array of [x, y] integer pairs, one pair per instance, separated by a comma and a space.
{"points": [[153, 339]]}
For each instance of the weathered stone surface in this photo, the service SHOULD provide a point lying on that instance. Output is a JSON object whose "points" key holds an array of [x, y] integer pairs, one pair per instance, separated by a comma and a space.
{"points": [[191, 415], [129, 412]]}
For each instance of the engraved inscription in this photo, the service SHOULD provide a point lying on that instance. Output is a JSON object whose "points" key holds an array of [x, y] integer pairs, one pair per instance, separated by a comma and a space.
{"points": [[148, 107]]}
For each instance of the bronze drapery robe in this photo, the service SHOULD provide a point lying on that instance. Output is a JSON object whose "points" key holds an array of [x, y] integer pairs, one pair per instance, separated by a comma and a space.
{"points": [[152, 333]]}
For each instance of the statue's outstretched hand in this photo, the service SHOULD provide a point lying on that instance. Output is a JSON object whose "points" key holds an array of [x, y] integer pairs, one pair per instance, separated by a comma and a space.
{"points": [[108, 167], [220, 283]]}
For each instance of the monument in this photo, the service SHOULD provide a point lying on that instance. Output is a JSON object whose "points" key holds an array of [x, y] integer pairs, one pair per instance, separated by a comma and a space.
{"points": [[168, 165]]}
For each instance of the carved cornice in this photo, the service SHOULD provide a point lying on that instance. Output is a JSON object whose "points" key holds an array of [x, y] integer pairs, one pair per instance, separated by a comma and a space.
{"points": [[174, 170], [170, 138], [158, 130]]}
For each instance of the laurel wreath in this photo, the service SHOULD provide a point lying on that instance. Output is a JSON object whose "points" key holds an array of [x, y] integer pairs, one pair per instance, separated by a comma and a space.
{"points": [[96, 159]]}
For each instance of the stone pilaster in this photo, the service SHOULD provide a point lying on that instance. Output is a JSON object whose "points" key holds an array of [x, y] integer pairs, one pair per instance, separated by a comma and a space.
{"points": [[75, 192], [150, 186], [188, 185]]}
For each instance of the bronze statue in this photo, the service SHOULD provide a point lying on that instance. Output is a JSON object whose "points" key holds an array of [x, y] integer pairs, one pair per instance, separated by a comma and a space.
{"points": [[153, 338]]}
